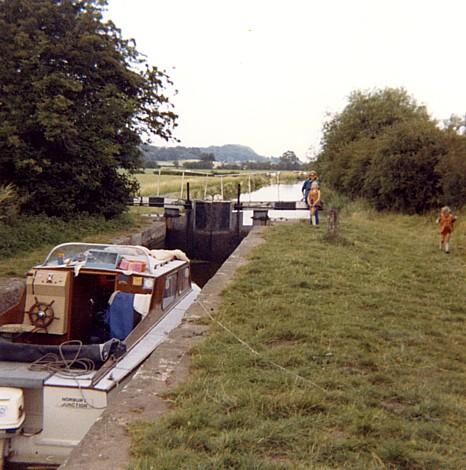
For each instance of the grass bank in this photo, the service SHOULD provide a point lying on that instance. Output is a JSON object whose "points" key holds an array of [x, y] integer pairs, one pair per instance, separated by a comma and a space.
{"points": [[27, 241], [360, 357]]}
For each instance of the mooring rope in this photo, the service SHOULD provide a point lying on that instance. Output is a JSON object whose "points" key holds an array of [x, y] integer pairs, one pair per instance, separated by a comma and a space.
{"points": [[61, 366], [257, 353]]}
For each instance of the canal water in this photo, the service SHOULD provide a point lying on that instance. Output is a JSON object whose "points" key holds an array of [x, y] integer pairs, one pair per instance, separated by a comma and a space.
{"points": [[202, 271], [276, 192]]}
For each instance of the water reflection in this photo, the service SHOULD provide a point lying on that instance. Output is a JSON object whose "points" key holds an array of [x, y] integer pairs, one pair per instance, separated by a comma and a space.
{"points": [[276, 192], [202, 271]]}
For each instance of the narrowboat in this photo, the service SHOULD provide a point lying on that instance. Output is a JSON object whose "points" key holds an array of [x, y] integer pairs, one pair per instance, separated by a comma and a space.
{"points": [[88, 317]]}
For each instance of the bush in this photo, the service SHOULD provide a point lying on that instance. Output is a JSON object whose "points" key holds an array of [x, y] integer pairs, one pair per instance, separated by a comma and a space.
{"points": [[452, 171], [401, 175]]}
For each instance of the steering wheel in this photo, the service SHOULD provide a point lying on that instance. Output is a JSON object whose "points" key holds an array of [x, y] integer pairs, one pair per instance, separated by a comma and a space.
{"points": [[41, 314]]}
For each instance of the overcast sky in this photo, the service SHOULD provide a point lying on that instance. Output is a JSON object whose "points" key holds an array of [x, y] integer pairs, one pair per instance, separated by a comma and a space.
{"points": [[264, 73]]}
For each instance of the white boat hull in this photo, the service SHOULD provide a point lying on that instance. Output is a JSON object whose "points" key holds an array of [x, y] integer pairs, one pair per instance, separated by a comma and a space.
{"points": [[61, 411]]}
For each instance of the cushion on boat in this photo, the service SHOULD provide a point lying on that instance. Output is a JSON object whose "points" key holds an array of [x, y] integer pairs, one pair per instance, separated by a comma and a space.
{"points": [[142, 303], [120, 315]]}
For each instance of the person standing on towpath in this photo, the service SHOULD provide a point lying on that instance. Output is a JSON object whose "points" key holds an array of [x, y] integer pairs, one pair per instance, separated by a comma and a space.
{"points": [[313, 201], [313, 177], [446, 220]]}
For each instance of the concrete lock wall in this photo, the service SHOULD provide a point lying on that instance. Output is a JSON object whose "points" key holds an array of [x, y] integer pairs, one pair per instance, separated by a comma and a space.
{"points": [[210, 231]]}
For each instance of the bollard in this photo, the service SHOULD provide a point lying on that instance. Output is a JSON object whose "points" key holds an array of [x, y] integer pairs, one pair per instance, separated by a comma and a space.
{"points": [[260, 217]]}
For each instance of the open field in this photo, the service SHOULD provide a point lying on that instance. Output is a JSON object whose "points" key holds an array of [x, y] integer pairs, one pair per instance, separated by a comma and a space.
{"points": [[357, 359], [205, 185]]}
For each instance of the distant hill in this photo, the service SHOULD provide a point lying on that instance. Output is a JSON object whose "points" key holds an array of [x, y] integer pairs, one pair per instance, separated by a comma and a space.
{"points": [[223, 153]]}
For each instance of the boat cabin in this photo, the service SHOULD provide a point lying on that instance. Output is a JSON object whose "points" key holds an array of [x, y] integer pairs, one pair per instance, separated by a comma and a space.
{"points": [[93, 293]]}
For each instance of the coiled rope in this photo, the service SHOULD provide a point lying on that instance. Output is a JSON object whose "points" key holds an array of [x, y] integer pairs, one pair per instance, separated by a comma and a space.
{"points": [[63, 367]]}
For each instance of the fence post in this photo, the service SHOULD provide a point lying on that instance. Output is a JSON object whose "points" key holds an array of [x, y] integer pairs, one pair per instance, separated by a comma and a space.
{"points": [[332, 226], [238, 211], [158, 182], [189, 222], [278, 185], [182, 184]]}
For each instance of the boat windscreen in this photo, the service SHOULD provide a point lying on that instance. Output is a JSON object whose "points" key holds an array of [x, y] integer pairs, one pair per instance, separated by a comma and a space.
{"points": [[96, 256]]}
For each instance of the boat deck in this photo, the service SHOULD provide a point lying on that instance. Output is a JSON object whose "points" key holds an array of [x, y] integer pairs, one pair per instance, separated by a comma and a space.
{"points": [[18, 374]]}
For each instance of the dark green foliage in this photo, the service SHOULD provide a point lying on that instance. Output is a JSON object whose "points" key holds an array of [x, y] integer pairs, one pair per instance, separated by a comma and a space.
{"points": [[72, 107], [452, 170], [386, 148], [289, 161], [401, 175], [206, 162]]}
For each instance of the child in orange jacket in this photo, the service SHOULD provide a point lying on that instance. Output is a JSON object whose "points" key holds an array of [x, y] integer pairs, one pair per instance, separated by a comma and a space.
{"points": [[313, 201], [446, 220]]}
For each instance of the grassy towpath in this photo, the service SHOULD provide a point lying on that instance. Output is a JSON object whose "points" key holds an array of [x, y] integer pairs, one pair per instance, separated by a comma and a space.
{"points": [[359, 357]]}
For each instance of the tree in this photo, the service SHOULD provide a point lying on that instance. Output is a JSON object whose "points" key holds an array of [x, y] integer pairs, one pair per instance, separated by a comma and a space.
{"points": [[452, 167], [367, 115], [385, 147], [289, 161], [402, 173], [206, 162], [75, 99], [207, 158]]}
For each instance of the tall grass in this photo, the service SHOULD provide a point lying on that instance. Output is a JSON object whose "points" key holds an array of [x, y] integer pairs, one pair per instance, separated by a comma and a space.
{"points": [[29, 238], [150, 185], [371, 334]]}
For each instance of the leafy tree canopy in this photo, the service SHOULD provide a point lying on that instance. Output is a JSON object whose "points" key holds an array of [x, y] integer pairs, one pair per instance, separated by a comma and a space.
{"points": [[75, 98], [289, 161], [206, 162], [386, 148]]}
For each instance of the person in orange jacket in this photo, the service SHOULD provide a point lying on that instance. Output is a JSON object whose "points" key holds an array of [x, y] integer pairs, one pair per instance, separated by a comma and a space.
{"points": [[313, 201], [446, 221]]}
